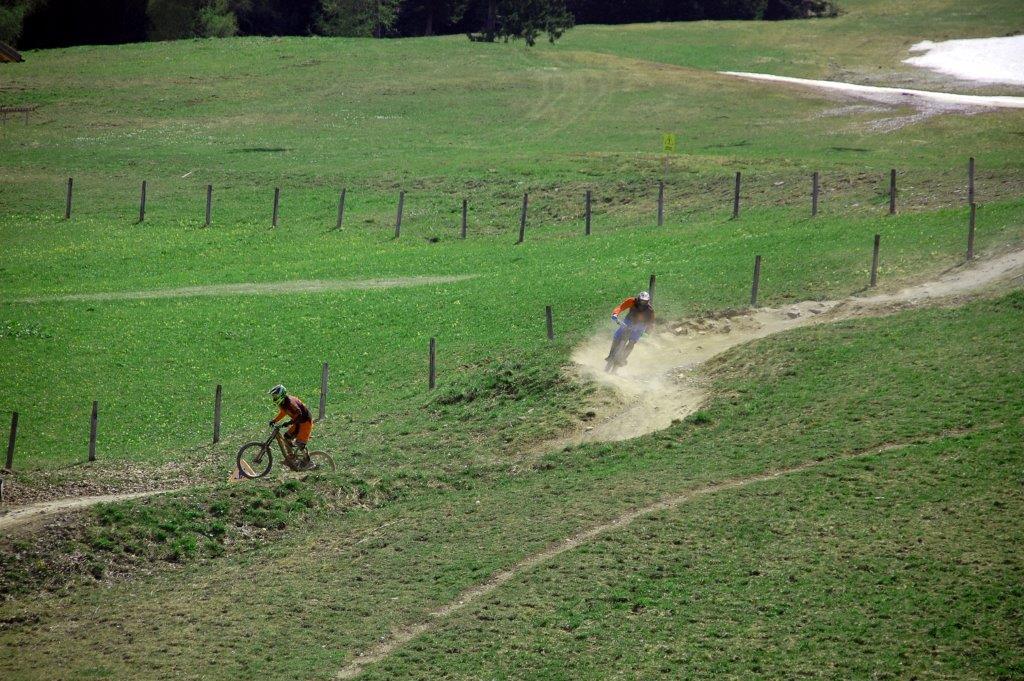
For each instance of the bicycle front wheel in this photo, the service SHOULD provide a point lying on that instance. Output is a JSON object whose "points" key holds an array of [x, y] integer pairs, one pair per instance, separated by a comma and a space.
{"points": [[322, 461], [254, 460]]}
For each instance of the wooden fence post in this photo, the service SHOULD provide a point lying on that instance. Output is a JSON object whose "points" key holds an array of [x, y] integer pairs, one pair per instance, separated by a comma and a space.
{"points": [[874, 260], [277, 201], [586, 213], [209, 203], [9, 465], [661, 203], [550, 321], [93, 423], [465, 218], [398, 217], [324, 374], [650, 288], [970, 180], [892, 192], [67, 203], [142, 203], [970, 233], [736, 198], [341, 209], [757, 281], [814, 194], [216, 413], [432, 378], [522, 219]]}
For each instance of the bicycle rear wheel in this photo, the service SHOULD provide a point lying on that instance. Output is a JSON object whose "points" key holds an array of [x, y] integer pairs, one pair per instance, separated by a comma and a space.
{"points": [[322, 461], [256, 457]]}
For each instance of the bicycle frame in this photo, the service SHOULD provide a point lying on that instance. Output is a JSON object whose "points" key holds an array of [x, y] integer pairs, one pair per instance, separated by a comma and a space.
{"points": [[282, 444]]}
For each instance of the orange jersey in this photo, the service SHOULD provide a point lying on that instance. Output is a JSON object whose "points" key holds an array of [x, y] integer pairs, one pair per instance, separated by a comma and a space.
{"points": [[294, 407], [636, 315]]}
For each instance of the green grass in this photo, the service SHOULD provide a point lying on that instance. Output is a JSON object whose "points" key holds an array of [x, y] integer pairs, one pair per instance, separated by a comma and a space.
{"points": [[468, 489], [893, 566], [862, 577], [443, 119]]}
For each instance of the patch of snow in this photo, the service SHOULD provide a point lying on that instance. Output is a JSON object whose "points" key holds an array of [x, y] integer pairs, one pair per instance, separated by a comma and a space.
{"points": [[912, 97], [985, 60]]}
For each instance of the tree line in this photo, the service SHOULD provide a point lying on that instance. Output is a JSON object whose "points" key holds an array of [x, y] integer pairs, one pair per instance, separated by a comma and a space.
{"points": [[58, 23]]}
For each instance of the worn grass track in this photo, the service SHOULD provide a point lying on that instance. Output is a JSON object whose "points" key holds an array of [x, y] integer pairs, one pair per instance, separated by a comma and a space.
{"points": [[435, 618]]}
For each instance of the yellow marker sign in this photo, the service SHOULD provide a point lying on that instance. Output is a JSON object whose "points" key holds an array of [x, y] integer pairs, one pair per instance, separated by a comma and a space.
{"points": [[668, 140]]}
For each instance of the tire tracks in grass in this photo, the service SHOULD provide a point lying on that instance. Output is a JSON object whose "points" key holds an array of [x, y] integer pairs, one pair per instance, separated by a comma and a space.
{"points": [[434, 618], [262, 288]]}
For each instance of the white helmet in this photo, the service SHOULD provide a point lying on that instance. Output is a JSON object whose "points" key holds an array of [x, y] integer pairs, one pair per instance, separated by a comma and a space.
{"points": [[644, 296]]}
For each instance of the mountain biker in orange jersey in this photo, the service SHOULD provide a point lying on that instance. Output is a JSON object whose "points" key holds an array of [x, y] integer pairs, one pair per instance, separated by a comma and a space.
{"points": [[300, 426], [639, 317]]}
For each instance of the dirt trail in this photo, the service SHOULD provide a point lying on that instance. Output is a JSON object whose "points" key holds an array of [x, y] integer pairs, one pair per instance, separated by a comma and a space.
{"points": [[662, 381], [266, 288], [399, 638], [22, 516]]}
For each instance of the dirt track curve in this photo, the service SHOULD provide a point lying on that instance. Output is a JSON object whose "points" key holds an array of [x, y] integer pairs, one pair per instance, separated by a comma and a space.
{"points": [[662, 381]]}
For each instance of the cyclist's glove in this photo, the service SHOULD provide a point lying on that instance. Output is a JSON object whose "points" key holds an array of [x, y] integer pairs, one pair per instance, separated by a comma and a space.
{"points": [[615, 318], [273, 423]]}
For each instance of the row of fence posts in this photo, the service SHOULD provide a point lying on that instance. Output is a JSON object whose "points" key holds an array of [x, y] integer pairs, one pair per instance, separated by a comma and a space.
{"points": [[432, 380], [815, 201], [432, 377], [218, 397]]}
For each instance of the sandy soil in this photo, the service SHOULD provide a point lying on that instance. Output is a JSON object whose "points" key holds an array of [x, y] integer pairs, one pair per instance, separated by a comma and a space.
{"points": [[269, 288], [982, 60], [663, 381]]}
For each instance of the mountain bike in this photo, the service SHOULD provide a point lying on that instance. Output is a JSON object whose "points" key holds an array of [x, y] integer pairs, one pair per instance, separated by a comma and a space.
{"points": [[255, 459], [626, 336]]}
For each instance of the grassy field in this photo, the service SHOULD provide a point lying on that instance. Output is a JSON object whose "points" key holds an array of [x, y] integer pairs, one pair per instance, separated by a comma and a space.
{"points": [[894, 563], [442, 119], [905, 557]]}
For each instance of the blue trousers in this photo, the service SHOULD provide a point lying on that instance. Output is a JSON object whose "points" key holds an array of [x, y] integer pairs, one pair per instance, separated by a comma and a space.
{"points": [[635, 331]]}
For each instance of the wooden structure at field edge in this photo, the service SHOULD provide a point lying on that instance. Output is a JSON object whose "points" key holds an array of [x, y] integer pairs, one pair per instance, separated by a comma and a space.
{"points": [[9, 54]]}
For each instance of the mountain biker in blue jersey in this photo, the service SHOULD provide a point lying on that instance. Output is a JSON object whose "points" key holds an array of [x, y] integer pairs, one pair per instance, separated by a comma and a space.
{"points": [[639, 318]]}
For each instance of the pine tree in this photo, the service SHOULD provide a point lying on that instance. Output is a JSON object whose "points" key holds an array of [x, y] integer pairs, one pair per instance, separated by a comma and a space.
{"points": [[357, 18], [427, 17], [524, 19]]}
